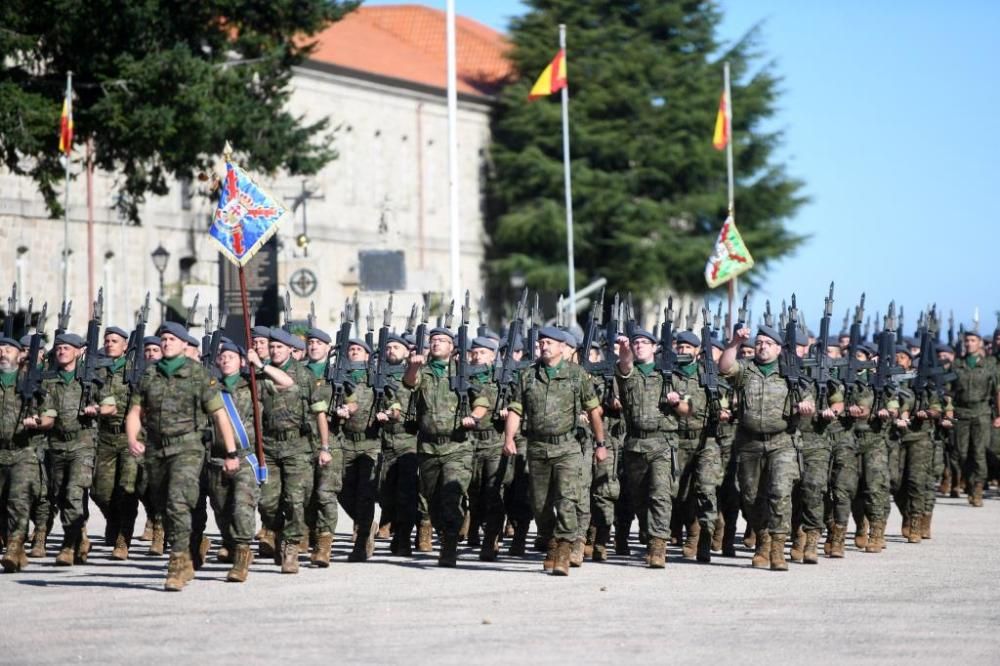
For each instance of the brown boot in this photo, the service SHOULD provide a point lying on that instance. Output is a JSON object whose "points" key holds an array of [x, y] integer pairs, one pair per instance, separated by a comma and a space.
{"points": [[82, 547], [904, 528], [798, 546], [242, 557], [550, 556], [875, 539], [828, 544], [384, 532], [290, 558], [749, 538], [147, 531], [945, 487], [424, 544], [561, 566], [224, 555], [915, 531], [838, 532], [320, 556], [690, 548], [861, 535], [925, 526], [588, 546], [705, 541], [265, 543], [718, 533], [463, 531], [976, 498], [809, 554], [14, 558], [200, 553], [120, 551], [448, 556], [656, 553], [576, 553], [38, 543], [601, 543], [762, 550], [179, 572], [157, 542], [778, 562], [65, 556], [304, 543]]}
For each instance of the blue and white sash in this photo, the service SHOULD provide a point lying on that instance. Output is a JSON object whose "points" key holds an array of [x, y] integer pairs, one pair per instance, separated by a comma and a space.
{"points": [[243, 439]]}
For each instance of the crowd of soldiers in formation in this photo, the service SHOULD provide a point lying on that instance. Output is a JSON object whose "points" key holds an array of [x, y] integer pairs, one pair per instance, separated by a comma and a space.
{"points": [[472, 435]]}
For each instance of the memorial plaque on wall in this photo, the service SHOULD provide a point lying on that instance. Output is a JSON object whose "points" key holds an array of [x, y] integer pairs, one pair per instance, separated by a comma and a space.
{"points": [[382, 270], [262, 289]]}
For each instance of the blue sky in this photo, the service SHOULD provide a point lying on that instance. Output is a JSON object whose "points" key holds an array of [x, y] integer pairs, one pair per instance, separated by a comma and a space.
{"points": [[887, 110]]}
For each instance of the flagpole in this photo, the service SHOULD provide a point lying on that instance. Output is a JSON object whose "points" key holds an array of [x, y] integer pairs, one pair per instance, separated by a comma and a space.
{"points": [[571, 267], [453, 227], [65, 251], [257, 421], [733, 286]]}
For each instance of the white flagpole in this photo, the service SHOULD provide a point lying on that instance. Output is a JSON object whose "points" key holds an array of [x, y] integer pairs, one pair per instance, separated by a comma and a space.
{"points": [[568, 185], [65, 251], [453, 227], [733, 286]]}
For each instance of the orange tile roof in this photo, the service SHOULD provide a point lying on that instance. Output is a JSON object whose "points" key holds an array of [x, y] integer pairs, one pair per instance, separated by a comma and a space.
{"points": [[407, 42]]}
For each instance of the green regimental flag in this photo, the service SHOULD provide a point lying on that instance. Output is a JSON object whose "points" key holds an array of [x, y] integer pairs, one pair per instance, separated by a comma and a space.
{"points": [[730, 258]]}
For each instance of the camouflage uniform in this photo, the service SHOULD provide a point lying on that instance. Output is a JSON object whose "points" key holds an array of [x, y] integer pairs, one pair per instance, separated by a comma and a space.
{"points": [[517, 493], [70, 455], [116, 471], [550, 401], [175, 408], [288, 452], [19, 465], [818, 435], [973, 389], [605, 487], [362, 449], [490, 468], [234, 497], [322, 508], [917, 454], [765, 447], [398, 489], [861, 464], [649, 450]]}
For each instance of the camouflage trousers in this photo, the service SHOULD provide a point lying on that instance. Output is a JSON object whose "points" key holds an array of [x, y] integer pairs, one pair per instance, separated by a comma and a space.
{"points": [[175, 488], [555, 475], [359, 483], [699, 471], [444, 480], [915, 460], [810, 492], [650, 473], [767, 473], [860, 477], [282, 501], [972, 437], [935, 469], [41, 503], [72, 472], [19, 473], [490, 470], [605, 488], [398, 487], [234, 502], [322, 508], [584, 483], [728, 491], [517, 493], [116, 478]]}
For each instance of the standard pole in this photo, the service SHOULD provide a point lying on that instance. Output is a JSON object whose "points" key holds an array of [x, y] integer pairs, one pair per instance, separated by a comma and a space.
{"points": [[453, 228], [90, 225], [65, 251], [257, 426], [570, 265], [733, 285]]}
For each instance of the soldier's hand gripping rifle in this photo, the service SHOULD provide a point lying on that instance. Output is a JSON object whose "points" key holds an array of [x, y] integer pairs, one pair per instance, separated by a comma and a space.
{"points": [[8, 323], [459, 382], [708, 378], [378, 370], [89, 378], [931, 377], [883, 380], [821, 365], [29, 388], [338, 372], [505, 372], [135, 356], [667, 360], [789, 363]]}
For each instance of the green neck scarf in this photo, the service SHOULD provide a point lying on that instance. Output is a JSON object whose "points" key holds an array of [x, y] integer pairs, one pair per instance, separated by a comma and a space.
{"points": [[230, 381], [767, 369], [286, 365], [971, 361], [118, 363], [688, 369], [67, 375], [438, 367], [318, 368], [8, 379], [169, 366], [553, 369], [358, 375], [646, 368]]}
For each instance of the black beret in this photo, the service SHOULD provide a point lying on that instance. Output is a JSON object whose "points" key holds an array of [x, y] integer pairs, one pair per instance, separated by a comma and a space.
{"points": [[117, 331], [769, 332], [71, 339], [260, 332], [440, 330], [688, 337], [173, 328], [319, 334], [11, 342], [361, 343], [151, 340], [282, 336]]}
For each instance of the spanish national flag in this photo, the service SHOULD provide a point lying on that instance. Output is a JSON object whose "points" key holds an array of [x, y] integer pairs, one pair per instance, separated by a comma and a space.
{"points": [[66, 124], [721, 136], [552, 80]]}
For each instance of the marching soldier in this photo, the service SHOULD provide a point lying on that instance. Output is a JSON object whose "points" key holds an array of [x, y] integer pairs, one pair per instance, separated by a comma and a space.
{"points": [[322, 507], [977, 384]]}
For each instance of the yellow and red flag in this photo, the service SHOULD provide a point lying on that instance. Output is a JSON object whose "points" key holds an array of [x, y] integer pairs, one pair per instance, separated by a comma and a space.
{"points": [[552, 80], [720, 139], [66, 124]]}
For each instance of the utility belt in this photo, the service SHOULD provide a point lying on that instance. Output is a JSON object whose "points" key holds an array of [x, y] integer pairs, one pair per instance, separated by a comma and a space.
{"points": [[286, 435], [766, 436], [14, 444], [111, 427], [436, 439], [65, 435], [638, 433], [553, 439], [483, 435], [356, 436], [168, 440], [689, 434]]}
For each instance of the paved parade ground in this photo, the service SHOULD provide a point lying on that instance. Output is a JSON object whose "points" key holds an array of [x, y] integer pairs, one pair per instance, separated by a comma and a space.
{"points": [[937, 602]]}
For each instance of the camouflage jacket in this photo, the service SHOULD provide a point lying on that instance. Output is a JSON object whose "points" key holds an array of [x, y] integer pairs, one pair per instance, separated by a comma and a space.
{"points": [[62, 402], [642, 407], [974, 386], [114, 392], [12, 435], [177, 406], [765, 407], [288, 410], [551, 405]]}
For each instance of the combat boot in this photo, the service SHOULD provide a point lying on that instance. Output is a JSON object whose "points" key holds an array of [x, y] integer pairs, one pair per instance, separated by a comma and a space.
{"points": [[82, 549], [490, 547], [690, 548], [14, 559], [38, 543], [473, 538], [550, 556], [809, 554], [718, 532], [904, 528], [541, 544], [749, 538], [65, 556], [861, 535], [798, 545], [120, 551], [778, 562], [242, 557], [200, 552], [656, 556], [400, 545], [290, 558], [828, 544], [588, 546], [956, 486], [875, 543], [304, 543], [424, 544], [448, 556], [976, 498], [384, 531], [224, 555], [915, 531], [705, 541], [601, 543], [576, 553], [621, 542], [265, 543], [945, 487], [147, 531], [179, 572], [561, 566], [762, 547], [925, 526], [837, 534], [156, 543], [320, 556]]}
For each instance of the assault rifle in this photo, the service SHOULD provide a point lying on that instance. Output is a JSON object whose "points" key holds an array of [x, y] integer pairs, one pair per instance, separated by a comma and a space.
{"points": [[668, 357], [206, 340], [92, 361], [8, 323], [192, 311], [931, 376], [820, 364], [421, 334], [532, 324], [505, 372], [483, 328], [29, 388], [789, 363], [708, 378], [378, 365], [338, 372], [459, 381], [850, 373], [883, 379], [135, 356]]}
